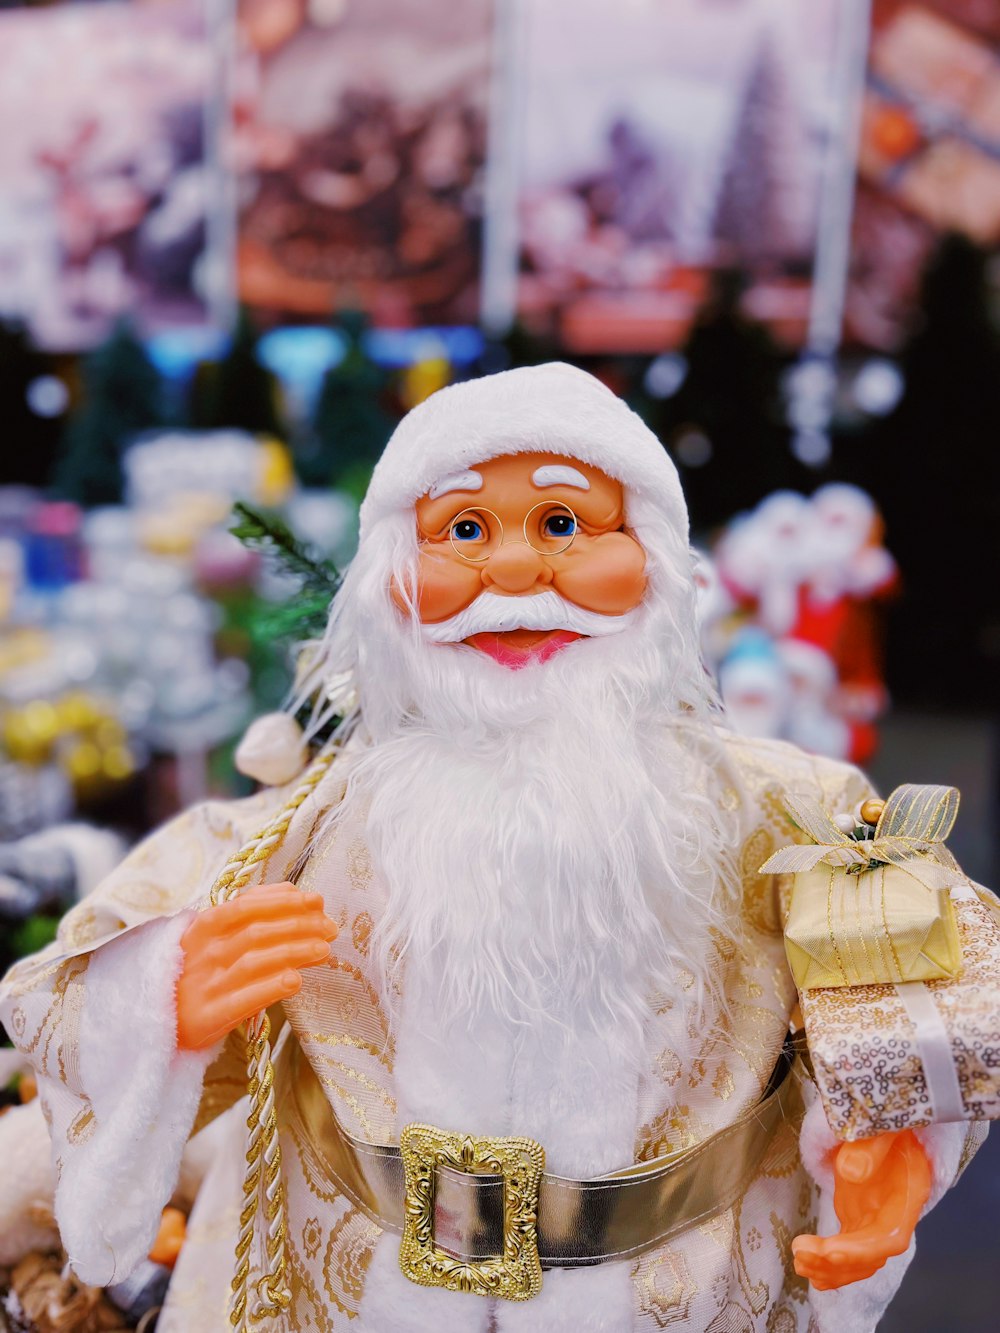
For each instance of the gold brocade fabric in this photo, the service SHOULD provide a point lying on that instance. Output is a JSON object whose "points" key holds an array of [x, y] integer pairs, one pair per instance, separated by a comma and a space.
{"points": [[732, 1274]]}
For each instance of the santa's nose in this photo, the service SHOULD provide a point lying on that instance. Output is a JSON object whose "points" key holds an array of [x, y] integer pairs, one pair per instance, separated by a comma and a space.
{"points": [[514, 568]]}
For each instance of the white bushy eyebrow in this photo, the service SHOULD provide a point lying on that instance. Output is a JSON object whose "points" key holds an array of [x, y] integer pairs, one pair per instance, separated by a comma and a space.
{"points": [[458, 481], [557, 474]]}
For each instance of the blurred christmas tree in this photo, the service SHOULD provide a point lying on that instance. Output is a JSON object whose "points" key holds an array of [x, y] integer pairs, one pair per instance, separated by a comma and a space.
{"points": [[351, 425], [760, 206], [121, 398], [237, 392], [723, 425], [519, 346]]}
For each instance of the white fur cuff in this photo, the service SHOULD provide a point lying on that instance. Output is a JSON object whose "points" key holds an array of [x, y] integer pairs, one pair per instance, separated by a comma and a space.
{"points": [[816, 1144], [144, 1094], [942, 1143], [860, 1305]]}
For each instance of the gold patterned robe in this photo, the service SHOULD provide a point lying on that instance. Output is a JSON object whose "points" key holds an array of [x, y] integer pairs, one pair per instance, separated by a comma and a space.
{"points": [[731, 1274]]}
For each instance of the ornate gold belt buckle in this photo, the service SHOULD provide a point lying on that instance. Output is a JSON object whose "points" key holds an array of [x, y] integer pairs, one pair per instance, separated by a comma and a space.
{"points": [[515, 1275]]}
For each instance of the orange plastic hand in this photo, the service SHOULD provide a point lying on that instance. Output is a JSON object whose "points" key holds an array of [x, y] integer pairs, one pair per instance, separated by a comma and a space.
{"points": [[169, 1238], [881, 1186], [244, 955]]}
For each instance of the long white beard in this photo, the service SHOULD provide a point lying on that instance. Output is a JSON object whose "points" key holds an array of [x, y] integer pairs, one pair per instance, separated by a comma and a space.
{"points": [[549, 841], [552, 839]]}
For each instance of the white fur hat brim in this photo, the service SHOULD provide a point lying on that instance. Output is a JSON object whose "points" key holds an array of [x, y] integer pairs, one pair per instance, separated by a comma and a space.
{"points": [[553, 408]]}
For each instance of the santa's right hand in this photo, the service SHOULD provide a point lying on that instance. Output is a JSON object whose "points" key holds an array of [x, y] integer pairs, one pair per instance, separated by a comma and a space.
{"points": [[244, 955]]}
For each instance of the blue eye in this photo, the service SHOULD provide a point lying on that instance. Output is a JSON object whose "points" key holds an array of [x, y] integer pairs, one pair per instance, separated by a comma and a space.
{"points": [[468, 530], [559, 525]]}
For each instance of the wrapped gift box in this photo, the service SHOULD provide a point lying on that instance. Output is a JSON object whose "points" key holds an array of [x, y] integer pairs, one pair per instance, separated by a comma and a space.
{"points": [[880, 926], [890, 1057]]}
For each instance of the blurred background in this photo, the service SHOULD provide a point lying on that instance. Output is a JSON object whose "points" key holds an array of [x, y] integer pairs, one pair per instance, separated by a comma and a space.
{"points": [[240, 238]]}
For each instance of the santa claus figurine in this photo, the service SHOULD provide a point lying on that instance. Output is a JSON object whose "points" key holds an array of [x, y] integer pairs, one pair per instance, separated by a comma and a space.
{"points": [[527, 996], [764, 560], [851, 576]]}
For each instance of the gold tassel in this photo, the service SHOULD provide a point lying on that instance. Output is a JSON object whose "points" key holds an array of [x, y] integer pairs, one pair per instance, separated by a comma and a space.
{"points": [[263, 1187]]}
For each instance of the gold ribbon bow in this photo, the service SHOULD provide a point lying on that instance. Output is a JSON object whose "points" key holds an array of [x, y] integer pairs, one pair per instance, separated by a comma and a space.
{"points": [[881, 912], [910, 832]]}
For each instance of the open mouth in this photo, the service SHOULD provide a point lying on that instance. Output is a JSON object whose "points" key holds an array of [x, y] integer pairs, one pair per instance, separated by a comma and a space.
{"points": [[518, 648]]}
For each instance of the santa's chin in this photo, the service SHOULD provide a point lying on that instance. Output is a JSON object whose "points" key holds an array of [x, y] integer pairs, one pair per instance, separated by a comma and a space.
{"points": [[518, 648]]}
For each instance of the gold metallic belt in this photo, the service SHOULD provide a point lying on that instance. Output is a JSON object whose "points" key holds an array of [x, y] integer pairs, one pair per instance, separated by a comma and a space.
{"points": [[481, 1214]]}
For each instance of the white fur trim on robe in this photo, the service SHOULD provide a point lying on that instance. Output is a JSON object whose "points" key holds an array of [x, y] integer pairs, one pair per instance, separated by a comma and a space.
{"points": [[144, 1092], [860, 1305], [433, 1084], [553, 1101], [394, 1304], [576, 1300], [500, 1078]]}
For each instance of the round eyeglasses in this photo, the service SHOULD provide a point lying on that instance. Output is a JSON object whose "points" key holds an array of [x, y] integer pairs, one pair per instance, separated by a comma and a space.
{"points": [[477, 534]]}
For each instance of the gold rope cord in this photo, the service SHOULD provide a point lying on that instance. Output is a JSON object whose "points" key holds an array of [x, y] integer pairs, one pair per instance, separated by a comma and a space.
{"points": [[263, 1189]]}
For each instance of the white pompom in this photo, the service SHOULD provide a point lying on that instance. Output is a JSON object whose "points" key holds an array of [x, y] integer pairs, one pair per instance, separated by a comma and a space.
{"points": [[273, 750]]}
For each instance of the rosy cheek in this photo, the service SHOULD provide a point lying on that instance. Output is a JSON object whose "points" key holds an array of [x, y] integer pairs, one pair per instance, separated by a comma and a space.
{"points": [[445, 587], [608, 576]]}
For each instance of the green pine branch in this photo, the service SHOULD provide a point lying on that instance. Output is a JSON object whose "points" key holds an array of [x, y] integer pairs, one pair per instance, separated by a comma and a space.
{"points": [[297, 621], [304, 616], [267, 533]]}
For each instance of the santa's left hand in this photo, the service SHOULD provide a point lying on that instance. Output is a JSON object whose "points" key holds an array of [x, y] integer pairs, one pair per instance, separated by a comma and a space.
{"points": [[881, 1187]]}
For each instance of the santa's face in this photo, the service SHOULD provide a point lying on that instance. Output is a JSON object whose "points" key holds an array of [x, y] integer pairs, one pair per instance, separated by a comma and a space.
{"points": [[524, 554]]}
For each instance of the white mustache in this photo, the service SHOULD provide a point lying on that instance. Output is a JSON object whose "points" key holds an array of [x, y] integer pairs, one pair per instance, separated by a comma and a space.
{"points": [[492, 614]]}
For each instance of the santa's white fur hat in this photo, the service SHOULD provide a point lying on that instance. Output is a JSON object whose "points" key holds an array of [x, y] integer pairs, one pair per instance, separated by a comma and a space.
{"points": [[550, 409], [553, 408]]}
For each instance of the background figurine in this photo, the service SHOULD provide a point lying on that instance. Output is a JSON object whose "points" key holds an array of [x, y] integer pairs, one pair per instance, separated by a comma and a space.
{"points": [[812, 575]]}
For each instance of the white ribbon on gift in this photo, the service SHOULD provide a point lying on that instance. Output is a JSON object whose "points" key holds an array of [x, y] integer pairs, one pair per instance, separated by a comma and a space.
{"points": [[933, 1043]]}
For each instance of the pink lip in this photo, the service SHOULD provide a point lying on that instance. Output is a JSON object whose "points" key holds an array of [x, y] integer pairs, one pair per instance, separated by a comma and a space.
{"points": [[516, 658]]}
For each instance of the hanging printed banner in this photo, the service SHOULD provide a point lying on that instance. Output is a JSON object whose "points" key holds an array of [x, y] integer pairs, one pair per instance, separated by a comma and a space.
{"points": [[659, 143], [104, 175], [361, 142], [929, 159]]}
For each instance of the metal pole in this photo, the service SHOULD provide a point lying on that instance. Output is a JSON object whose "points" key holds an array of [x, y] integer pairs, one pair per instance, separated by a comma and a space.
{"points": [[814, 383]]}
